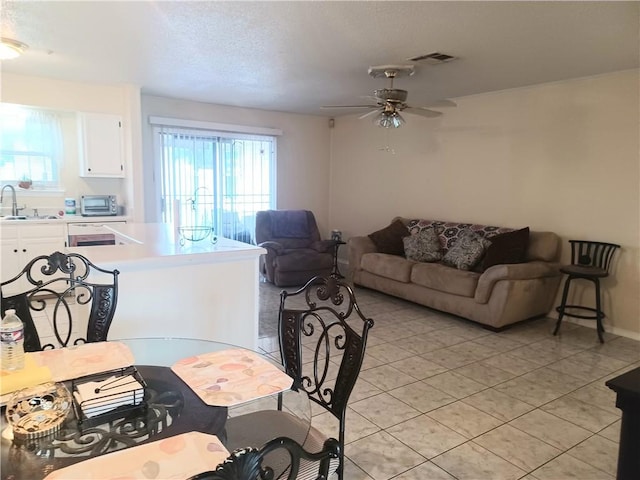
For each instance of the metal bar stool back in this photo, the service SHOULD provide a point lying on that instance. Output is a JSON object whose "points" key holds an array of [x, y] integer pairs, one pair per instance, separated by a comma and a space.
{"points": [[589, 261]]}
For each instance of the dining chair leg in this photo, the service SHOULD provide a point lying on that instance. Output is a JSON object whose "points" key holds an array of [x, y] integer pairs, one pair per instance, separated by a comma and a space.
{"points": [[563, 302]]}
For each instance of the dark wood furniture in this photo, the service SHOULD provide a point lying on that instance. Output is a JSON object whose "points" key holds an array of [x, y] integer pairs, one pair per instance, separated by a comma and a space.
{"points": [[589, 261], [627, 388]]}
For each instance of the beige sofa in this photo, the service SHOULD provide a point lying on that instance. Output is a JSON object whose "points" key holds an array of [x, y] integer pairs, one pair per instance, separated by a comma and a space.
{"points": [[499, 296]]}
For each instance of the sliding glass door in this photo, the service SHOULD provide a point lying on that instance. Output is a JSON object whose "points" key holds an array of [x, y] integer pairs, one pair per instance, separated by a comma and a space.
{"points": [[211, 179]]}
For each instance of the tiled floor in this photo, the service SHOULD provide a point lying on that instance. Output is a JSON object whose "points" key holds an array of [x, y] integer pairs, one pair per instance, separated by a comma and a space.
{"points": [[442, 398]]}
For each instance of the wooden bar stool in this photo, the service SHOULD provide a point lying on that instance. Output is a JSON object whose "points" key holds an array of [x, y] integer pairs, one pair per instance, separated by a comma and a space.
{"points": [[589, 261]]}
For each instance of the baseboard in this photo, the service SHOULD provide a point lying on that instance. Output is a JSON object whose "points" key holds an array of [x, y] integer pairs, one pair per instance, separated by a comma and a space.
{"points": [[609, 328]]}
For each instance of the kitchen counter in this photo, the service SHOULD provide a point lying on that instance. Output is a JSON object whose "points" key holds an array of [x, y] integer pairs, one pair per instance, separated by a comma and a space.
{"points": [[64, 219], [196, 290]]}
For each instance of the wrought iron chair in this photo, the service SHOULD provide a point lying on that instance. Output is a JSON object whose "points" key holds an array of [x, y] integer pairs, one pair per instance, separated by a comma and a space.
{"points": [[317, 323], [589, 261], [246, 463], [70, 289]]}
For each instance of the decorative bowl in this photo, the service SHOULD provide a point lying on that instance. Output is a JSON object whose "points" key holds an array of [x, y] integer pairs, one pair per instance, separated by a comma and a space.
{"points": [[38, 411]]}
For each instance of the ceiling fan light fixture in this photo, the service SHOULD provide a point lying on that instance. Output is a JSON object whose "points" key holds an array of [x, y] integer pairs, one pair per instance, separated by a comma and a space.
{"points": [[388, 120], [10, 48]]}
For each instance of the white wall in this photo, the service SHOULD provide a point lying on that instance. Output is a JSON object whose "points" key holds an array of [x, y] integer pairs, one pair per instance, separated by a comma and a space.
{"points": [[302, 155], [561, 157], [71, 97]]}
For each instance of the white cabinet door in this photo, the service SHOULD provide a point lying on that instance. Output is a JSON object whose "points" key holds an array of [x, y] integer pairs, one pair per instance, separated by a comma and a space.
{"points": [[101, 145], [21, 244]]}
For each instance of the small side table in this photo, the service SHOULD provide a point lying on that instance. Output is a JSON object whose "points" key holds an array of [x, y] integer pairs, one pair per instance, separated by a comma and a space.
{"points": [[627, 388], [335, 272]]}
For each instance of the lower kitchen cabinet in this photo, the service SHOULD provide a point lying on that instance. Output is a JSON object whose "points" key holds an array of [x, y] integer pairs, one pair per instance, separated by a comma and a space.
{"points": [[21, 243]]}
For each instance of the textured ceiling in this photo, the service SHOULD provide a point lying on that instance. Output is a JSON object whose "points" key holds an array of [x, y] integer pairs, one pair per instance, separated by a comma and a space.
{"points": [[297, 56]]}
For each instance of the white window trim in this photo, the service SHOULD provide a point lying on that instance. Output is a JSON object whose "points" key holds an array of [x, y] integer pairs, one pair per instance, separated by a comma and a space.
{"points": [[222, 127]]}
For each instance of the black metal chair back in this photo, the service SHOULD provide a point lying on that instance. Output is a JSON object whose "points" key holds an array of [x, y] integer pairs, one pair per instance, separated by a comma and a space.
{"points": [[592, 254], [246, 463], [324, 318], [62, 284]]}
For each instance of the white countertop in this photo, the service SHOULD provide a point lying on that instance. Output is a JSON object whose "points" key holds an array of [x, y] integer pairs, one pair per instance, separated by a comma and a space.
{"points": [[157, 243], [64, 219]]}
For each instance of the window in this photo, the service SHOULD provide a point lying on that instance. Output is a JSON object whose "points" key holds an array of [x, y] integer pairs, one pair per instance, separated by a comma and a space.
{"points": [[30, 146], [215, 179]]}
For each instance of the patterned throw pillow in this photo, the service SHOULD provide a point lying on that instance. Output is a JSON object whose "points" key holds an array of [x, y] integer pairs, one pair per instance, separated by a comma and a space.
{"points": [[424, 246], [466, 251]]}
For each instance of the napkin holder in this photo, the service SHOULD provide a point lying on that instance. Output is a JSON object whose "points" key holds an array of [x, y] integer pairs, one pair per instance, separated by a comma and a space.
{"points": [[128, 400]]}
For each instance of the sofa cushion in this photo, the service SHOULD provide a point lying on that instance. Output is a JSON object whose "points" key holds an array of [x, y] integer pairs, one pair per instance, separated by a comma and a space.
{"points": [[443, 278], [388, 266], [505, 248], [389, 239], [543, 246], [466, 251], [424, 246]]}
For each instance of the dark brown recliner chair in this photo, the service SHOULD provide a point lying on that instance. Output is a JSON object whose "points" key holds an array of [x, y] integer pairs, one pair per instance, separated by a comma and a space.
{"points": [[295, 251]]}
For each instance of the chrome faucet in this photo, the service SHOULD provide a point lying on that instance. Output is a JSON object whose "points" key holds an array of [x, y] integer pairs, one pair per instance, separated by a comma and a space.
{"points": [[14, 202]]}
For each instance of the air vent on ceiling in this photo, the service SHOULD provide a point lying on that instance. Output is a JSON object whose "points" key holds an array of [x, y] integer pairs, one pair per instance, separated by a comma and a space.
{"points": [[434, 58]]}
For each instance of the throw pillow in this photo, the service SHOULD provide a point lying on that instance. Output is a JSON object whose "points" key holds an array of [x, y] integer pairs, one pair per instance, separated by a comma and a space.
{"points": [[423, 246], [509, 247], [389, 239], [467, 251]]}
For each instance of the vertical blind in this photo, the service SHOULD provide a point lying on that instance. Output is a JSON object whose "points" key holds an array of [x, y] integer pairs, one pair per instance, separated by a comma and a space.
{"points": [[215, 179]]}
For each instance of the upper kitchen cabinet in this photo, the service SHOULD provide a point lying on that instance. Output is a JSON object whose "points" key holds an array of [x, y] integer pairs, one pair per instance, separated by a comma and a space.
{"points": [[101, 145]]}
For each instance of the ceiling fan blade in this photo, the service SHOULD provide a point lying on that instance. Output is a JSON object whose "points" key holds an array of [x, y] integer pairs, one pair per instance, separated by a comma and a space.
{"points": [[422, 111], [349, 106], [368, 114]]}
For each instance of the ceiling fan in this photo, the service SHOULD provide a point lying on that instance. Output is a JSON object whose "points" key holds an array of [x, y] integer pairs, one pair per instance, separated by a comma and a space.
{"points": [[389, 102]]}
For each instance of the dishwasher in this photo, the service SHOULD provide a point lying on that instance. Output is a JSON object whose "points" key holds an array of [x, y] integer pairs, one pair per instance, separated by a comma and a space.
{"points": [[90, 234]]}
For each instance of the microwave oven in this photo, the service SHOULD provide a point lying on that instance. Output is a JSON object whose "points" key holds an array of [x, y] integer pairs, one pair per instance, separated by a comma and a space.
{"points": [[98, 205]]}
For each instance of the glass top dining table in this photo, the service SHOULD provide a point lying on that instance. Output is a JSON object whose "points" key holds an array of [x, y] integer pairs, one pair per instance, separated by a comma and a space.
{"points": [[172, 408]]}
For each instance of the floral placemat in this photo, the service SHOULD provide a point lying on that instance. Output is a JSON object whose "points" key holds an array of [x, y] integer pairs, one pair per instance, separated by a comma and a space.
{"points": [[230, 377], [181, 456], [85, 359]]}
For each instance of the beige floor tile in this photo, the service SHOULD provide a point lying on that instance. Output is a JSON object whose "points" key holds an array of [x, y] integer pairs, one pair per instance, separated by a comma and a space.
{"points": [[382, 456], [598, 452], [472, 462], [464, 419], [576, 411], [352, 472], [386, 377], [484, 373], [498, 404], [530, 392], [384, 410], [451, 357], [419, 344], [388, 352], [356, 426], [363, 389], [598, 395], [425, 471], [418, 367], [498, 342], [612, 432], [511, 363], [455, 384], [369, 362], [566, 467], [426, 436], [519, 448], [422, 396], [551, 429]]}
